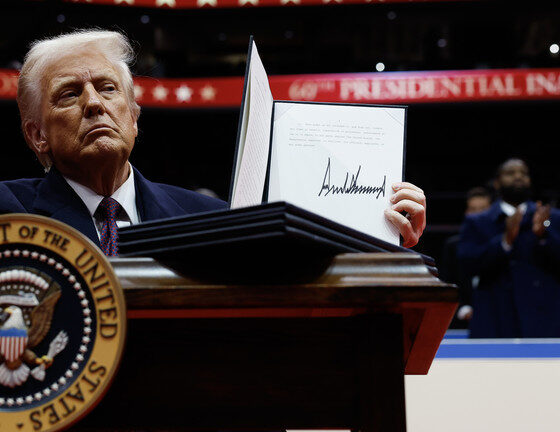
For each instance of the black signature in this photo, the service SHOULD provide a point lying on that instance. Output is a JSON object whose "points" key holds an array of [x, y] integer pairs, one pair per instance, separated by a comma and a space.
{"points": [[350, 188]]}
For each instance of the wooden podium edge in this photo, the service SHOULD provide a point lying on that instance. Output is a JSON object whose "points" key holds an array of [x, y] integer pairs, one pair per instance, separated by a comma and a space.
{"points": [[351, 284]]}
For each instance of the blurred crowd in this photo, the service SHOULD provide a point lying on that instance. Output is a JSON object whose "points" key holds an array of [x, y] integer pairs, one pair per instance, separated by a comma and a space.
{"points": [[506, 260]]}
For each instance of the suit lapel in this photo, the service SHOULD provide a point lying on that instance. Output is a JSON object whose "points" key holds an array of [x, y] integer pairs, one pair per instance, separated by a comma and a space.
{"points": [[152, 202], [56, 199]]}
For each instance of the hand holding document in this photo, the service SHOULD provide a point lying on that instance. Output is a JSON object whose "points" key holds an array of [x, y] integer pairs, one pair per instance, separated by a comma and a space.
{"points": [[408, 212], [336, 160]]}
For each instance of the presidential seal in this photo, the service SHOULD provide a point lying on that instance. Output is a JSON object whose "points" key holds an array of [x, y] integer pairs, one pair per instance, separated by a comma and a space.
{"points": [[62, 324]]}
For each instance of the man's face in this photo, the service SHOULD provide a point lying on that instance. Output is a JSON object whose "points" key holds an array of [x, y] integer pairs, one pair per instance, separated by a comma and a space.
{"points": [[477, 204], [514, 182], [85, 116], [514, 174]]}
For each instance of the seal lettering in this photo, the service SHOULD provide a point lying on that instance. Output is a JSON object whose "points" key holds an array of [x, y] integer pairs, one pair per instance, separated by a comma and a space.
{"points": [[78, 395], [108, 331], [102, 370], [93, 270], [53, 415], [67, 409], [56, 240], [4, 227], [35, 420], [93, 385], [26, 232], [83, 253]]}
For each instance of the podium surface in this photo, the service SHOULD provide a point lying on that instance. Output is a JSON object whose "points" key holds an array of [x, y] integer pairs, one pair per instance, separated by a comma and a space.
{"points": [[327, 348]]}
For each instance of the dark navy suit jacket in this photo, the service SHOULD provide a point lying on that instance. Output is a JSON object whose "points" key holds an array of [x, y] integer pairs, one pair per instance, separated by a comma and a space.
{"points": [[52, 196], [519, 291]]}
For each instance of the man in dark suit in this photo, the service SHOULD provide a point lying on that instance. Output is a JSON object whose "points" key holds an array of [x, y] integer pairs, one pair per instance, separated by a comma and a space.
{"points": [[514, 248], [79, 116]]}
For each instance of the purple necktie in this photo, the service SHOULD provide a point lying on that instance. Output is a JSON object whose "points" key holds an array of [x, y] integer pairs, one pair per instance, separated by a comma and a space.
{"points": [[109, 236]]}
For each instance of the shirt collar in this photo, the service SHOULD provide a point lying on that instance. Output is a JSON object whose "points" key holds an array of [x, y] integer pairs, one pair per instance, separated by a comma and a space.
{"points": [[509, 210], [125, 195]]}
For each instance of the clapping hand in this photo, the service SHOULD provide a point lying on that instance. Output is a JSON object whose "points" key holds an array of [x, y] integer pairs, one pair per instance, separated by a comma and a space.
{"points": [[512, 226], [540, 219]]}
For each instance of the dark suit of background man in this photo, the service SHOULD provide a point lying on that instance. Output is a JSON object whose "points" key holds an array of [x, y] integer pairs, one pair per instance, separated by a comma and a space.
{"points": [[79, 116], [514, 248]]}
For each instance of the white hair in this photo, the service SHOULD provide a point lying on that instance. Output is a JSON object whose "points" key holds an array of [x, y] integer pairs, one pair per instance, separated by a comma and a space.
{"points": [[113, 45]]}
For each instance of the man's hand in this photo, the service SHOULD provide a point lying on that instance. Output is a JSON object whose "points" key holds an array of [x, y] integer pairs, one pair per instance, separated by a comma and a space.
{"points": [[411, 200], [542, 214], [512, 226]]}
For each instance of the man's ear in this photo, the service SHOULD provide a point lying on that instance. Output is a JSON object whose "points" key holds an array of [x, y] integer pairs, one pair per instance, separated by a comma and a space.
{"points": [[35, 138]]}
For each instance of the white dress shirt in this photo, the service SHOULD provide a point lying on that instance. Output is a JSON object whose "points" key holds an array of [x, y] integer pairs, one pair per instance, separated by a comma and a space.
{"points": [[124, 195], [509, 211]]}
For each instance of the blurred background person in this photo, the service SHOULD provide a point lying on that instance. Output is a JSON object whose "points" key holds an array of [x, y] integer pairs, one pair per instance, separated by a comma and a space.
{"points": [[478, 200], [514, 248]]}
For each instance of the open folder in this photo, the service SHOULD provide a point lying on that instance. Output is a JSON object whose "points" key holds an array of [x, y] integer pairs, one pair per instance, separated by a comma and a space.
{"points": [[272, 233], [336, 160]]}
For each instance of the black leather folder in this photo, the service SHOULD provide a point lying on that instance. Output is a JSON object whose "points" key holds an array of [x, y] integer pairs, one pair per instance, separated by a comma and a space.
{"points": [[270, 236]]}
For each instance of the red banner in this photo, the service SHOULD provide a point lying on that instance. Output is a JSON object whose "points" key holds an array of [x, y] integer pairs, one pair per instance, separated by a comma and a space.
{"points": [[425, 87], [385, 87], [197, 4]]}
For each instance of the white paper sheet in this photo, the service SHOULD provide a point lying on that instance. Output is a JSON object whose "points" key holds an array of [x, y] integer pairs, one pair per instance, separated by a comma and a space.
{"points": [[338, 161], [254, 142]]}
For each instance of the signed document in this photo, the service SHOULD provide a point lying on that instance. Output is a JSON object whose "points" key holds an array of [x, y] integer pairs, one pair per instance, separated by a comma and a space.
{"points": [[338, 161]]}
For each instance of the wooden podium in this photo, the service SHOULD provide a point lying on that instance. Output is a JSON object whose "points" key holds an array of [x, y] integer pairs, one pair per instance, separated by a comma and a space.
{"points": [[328, 350]]}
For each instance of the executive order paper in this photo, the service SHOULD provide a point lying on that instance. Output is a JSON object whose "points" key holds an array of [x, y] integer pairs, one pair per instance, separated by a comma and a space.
{"points": [[338, 161]]}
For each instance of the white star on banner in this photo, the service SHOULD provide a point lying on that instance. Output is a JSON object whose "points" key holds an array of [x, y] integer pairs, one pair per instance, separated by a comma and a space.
{"points": [[130, 2], [160, 93], [244, 2], [201, 3], [284, 2], [208, 93], [138, 92], [184, 93], [170, 3]]}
